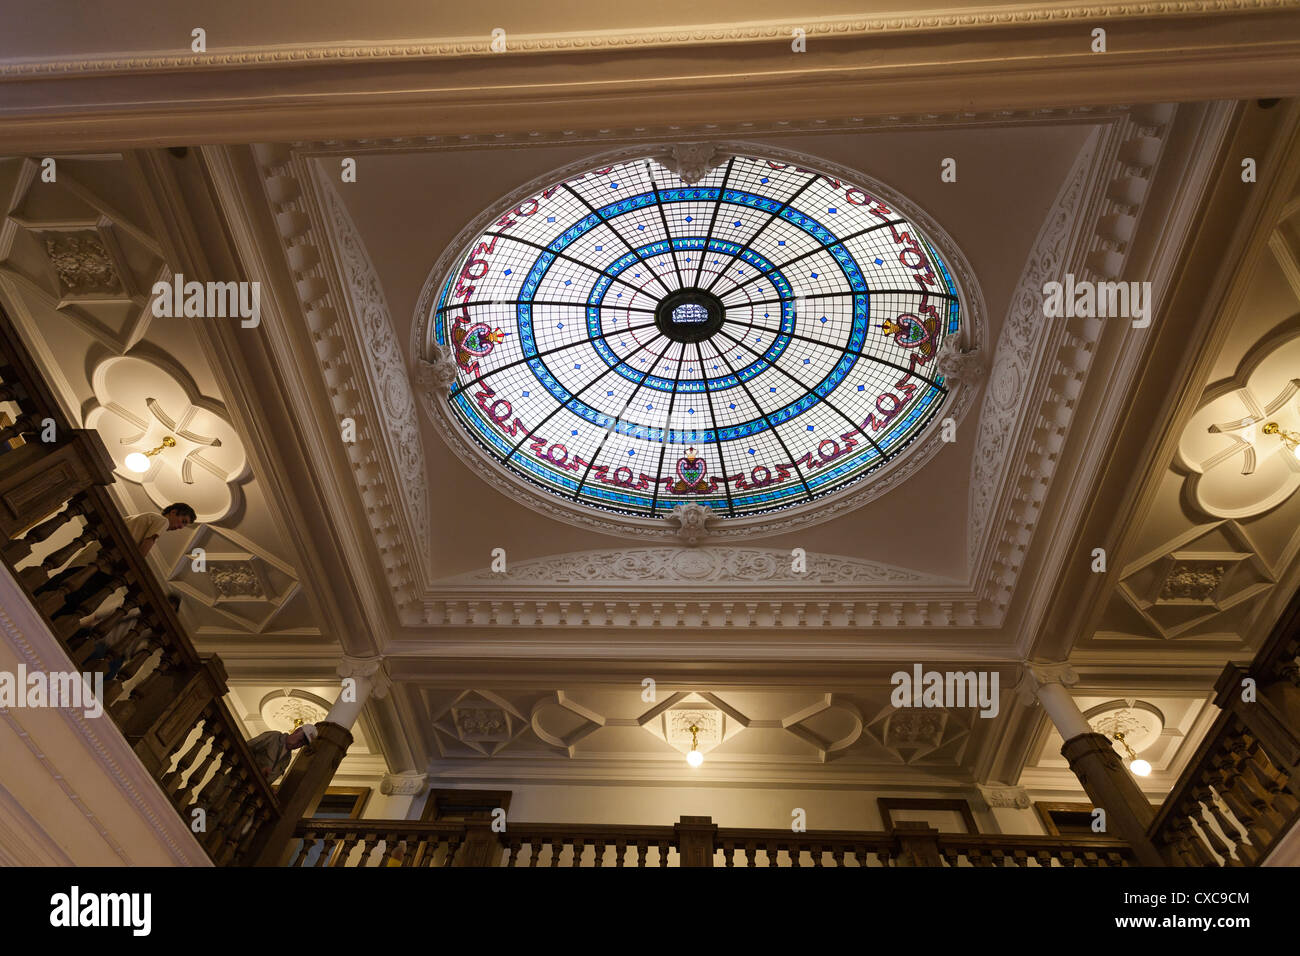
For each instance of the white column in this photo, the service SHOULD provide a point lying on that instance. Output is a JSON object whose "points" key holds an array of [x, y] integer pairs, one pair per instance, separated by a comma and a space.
{"points": [[1047, 684], [362, 677]]}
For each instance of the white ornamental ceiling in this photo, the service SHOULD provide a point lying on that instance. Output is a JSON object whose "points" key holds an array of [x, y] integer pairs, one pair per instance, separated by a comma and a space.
{"points": [[506, 625]]}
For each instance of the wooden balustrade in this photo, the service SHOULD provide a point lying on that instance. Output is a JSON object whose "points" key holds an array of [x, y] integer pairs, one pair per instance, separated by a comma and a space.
{"points": [[324, 843], [380, 842], [165, 698], [968, 849], [1240, 792]]}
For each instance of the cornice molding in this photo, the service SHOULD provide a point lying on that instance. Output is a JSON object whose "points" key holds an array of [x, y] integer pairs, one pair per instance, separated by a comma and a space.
{"points": [[775, 31]]}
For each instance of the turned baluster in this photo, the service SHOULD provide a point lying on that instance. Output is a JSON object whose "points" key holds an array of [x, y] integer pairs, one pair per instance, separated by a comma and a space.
{"points": [[196, 776], [579, 847], [642, 848], [620, 848], [170, 780], [298, 853], [513, 848], [453, 847], [663, 852], [390, 844], [1231, 829], [728, 851], [1211, 821]]}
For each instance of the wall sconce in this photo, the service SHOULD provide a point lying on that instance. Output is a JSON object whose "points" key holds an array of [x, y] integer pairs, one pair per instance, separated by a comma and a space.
{"points": [[1289, 438], [694, 758], [139, 461], [1139, 766]]}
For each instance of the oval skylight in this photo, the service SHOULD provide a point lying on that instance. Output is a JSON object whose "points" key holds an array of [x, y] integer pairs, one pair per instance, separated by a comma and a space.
{"points": [[751, 342]]}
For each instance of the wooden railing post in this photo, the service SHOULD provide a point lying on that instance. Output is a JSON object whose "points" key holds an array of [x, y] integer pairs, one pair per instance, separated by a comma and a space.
{"points": [[161, 725], [1094, 761], [696, 837], [482, 847], [916, 844], [301, 790], [1272, 717]]}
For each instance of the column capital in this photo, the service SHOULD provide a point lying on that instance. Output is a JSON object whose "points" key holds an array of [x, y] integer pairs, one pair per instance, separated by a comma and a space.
{"points": [[1003, 797], [374, 669], [406, 784], [1037, 674]]}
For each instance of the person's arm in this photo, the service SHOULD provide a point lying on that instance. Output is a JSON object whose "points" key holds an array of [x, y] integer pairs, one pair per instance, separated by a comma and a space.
{"points": [[146, 544]]}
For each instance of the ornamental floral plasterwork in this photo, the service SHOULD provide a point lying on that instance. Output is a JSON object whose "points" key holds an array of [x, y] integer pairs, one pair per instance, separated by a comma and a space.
{"points": [[1234, 469], [384, 361], [137, 404], [705, 565]]}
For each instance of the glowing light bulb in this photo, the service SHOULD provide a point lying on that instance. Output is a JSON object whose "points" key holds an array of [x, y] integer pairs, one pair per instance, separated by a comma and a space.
{"points": [[137, 462], [695, 758], [1140, 767], [1296, 451]]}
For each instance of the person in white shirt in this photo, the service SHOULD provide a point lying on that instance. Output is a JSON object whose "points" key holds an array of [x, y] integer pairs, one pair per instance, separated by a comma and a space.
{"points": [[144, 528]]}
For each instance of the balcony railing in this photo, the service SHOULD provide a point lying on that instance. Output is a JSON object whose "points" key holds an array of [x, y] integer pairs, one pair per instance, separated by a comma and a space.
{"points": [[164, 698], [694, 841]]}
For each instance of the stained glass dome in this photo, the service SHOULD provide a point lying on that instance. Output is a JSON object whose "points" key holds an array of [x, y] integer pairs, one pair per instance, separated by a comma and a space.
{"points": [[752, 341]]}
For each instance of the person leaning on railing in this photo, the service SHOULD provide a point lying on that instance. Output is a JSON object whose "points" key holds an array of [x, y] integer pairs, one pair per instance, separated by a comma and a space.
{"points": [[273, 749], [144, 528]]}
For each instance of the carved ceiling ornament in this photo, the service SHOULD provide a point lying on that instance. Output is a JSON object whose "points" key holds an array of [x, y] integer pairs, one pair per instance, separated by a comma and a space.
{"points": [[284, 710], [1234, 469], [1140, 722], [83, 264], [235, 579], [138, 403], [692, 161], [885, 478]]}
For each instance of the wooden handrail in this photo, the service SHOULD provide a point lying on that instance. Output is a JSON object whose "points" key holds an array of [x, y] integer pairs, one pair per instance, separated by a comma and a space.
{"points": [[179, 693]]}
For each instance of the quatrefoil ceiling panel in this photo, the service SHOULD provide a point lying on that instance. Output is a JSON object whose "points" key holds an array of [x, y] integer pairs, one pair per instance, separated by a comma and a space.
{"points": [[137, 405], [754, 341]]}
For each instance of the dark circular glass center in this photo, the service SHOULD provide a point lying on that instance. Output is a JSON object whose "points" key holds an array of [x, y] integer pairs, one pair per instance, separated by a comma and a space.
{"points": [[690, 315]]}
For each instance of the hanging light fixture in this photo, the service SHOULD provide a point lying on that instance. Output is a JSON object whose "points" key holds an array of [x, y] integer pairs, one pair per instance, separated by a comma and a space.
{"points": [[695, 758], [139, 461], [1136, 764], [1289, 438]]}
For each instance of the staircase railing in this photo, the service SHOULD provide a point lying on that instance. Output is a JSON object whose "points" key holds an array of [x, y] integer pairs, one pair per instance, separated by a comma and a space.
{"points": [[165, 698], [1240, 792]]}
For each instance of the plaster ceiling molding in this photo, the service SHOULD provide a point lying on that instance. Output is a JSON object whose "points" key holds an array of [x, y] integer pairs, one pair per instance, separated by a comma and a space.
{"points": [[356, 348], [1233, 469], [594, 610], [282, 710], [562, 723], [746, 33], [240, 581], [920, 735], [429, 353], [999, 796], [479, 720], [670, 720], [1140, 722], [136, 405], [1201, 575], [731, 567], [670, 135], [78, 254], [383, 357], [1040, 367], [829, 725]]}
